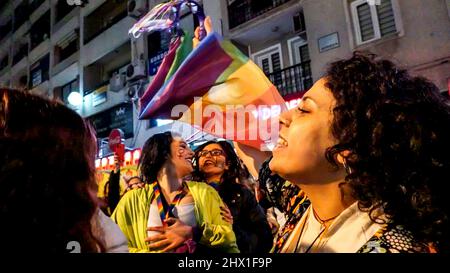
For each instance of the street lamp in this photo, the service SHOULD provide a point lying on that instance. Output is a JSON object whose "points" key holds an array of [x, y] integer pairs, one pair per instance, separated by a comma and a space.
{"points": [[75, 98]]}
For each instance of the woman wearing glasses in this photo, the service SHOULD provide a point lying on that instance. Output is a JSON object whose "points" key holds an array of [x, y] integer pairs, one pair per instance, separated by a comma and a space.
{"points": [[218, 165], [167, 214]]}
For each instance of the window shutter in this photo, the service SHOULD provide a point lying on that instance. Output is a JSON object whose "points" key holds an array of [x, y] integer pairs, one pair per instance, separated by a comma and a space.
{"points": [[63, 43], [386, 18], [276, 63], [265, 66], [365, 22], [304, 53]]}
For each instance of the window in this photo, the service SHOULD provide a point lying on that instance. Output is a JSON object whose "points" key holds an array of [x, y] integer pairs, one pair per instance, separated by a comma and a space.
{"points": [[66, 47], [21, 14], [269, 60], [39, 71], [3, 62], [34, 4], [158, 44], [62, 9], [5, 29], [298, 50], [21, 53], [373, 21], [40, 30], [104, 17]]}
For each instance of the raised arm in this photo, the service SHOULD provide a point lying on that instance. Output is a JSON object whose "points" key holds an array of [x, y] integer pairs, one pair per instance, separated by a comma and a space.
{"points": [[252, 157]]}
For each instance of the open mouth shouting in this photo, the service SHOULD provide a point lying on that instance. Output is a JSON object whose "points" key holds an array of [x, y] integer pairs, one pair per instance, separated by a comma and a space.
{"points": [[281, 143]]}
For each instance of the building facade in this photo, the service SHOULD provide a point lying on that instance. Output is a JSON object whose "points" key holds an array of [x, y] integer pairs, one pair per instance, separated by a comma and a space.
{"points": [[55, 48], [294, 40]]}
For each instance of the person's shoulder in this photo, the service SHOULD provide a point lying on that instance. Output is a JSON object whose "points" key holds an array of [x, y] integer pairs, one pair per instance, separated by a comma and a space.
{"points": [[199, 186], [202, 191], [395, 239], [113, 237], [141, 193]]}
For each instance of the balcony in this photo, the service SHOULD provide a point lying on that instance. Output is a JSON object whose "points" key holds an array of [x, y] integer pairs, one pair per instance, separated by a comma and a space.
{"points": [[103, 18], [241, 11], [40, 30], [20, 54], [62, 9], [293, 79], [63, 73], [4, 62], [21, 15], [35, 4], [5, 30], [20, 67], [253, 22]]}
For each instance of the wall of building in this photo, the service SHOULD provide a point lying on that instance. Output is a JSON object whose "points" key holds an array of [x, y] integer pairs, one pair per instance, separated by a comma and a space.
{"points": [[422, 44], [316, 13]]}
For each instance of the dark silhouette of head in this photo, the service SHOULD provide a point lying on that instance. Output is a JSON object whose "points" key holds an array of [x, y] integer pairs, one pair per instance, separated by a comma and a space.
{"points": [[47, 175]]}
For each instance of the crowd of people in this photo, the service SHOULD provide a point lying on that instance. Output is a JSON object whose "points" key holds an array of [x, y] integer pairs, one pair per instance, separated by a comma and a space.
{"points": [[361, 165]]}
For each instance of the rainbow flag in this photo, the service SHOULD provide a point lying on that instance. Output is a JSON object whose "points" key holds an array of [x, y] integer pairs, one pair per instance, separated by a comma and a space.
{"points": [[221, 91]]}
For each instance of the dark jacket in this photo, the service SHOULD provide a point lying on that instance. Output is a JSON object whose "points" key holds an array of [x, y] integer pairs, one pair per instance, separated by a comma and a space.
{"points": [[250, 224], [112, 192]]}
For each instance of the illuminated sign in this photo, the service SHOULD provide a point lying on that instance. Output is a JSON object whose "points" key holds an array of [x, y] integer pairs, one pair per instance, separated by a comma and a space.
{"points": [[274, 110], [107, 163]]}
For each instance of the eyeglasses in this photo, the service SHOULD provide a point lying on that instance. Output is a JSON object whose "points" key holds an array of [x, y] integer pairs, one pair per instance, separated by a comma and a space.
{"points": [[215, 152]]}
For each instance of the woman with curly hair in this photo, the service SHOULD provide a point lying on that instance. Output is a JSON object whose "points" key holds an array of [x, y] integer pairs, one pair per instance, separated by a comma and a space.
{"points": [[47, 180], [370, 145], [169, 214], [218, 165]]}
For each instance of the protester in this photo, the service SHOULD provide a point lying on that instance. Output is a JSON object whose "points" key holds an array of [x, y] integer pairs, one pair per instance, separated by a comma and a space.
{"points": [[112, 189], [370, 149], [134, 182], [218, 165], [47, 180], [285, 203], [168, 215]]}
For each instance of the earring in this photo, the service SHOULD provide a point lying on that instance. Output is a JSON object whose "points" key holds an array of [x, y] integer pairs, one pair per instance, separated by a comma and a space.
{"points": [[346, 167]]}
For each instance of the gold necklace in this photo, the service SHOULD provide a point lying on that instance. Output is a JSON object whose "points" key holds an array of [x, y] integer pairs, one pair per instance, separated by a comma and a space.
{"points": [[325, 230], [321, 234], [322, 222]]}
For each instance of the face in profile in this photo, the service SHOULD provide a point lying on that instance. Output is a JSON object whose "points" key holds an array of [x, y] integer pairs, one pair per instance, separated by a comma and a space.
{"points": [[212, 160], [305, 134], [181, 156]]}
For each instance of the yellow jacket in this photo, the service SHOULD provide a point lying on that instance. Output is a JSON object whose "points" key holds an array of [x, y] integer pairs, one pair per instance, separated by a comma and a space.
{"points": [[131, 215]]}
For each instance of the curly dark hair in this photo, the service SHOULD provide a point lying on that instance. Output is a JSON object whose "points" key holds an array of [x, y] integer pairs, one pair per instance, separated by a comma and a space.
{"points": [[155, 152], [47, 176], [395, 127], [235, 172]]}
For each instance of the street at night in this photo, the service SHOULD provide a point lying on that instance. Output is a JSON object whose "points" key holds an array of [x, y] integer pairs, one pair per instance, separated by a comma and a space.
{"points": [[225, 132]]}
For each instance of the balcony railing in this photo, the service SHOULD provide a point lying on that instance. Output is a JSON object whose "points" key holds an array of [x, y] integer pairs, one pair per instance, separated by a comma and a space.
{"points": [[241, 11], [293, 79]]}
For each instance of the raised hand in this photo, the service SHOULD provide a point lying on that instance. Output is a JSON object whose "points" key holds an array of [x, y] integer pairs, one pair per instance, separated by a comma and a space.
{"points": [[226, 214], [208, 28]]}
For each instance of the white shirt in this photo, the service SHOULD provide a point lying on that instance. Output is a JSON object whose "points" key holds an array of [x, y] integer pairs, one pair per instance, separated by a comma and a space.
{"points": [[347, 233], [115, 241], [184, 212]]}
